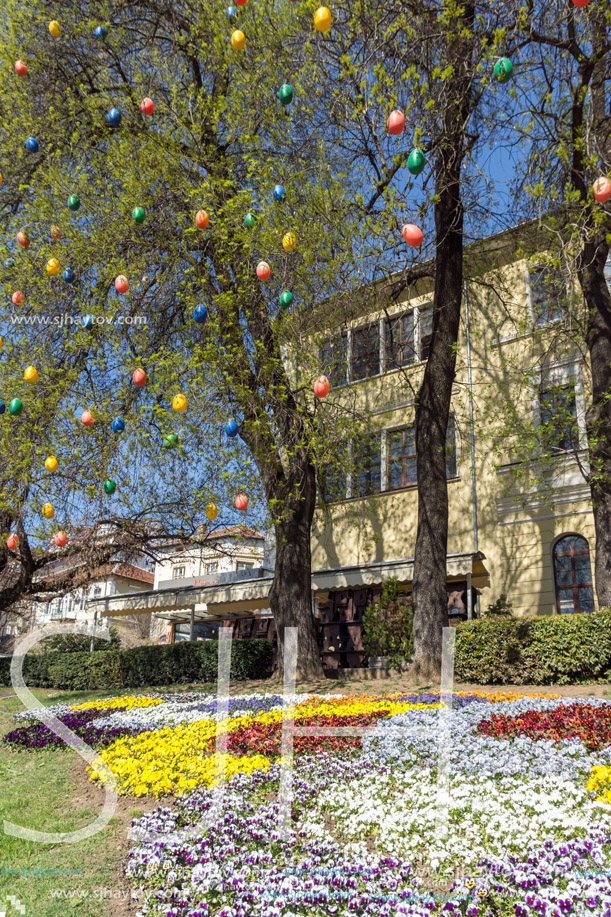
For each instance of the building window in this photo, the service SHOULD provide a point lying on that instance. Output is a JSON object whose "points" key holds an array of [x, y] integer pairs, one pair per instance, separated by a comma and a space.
{"points": [[401, 450], [573, 575], [547, 295], [333, 475], [426, 333], [242, 565], [334, 359], [82, 600], [56, 608], [212, 568], [178, 572], [366, 352], [367, 465], [400, 341], [559, 430]]}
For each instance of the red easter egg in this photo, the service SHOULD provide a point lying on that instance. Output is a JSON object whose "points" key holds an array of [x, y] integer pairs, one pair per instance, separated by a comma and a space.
{"points": [[138, 377], [17, 298], [11, 542], [201, 219], [263, 270], [412, 234], [56, 233], [602, 189], [321, 387], [241, 501], [396, 122], [87, 418], [20, 68], [121, 284], [147, 106], [61, 539], [23, 239], [580, 3]]}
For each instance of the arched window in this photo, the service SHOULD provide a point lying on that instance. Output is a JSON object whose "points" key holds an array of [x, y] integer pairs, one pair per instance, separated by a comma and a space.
{"points": [[573, 575]]}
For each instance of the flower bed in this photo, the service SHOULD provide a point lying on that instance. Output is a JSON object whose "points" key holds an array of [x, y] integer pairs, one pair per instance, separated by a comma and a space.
{"points": [[497, 807]]}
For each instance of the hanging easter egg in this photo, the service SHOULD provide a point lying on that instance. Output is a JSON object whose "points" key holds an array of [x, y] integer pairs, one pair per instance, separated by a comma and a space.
{"points": [[74, 202], [286, 299], [109, 486], [87, 418], [602, 189], [321, 387], [231, 13], [580, 3], [238, 40], [263, 270], [285, 94], [396, 122], [231, 428], [170, 441], [289, 241], [503, 70], [250, 220], [68, 275], [322, 19], [179, 403], [11, 542], [139, 377], [121, 284], [416, 162], [56, 232], [61, 539], [100, 32], [55, 28], [23, 239], [87, 321], [9, 263], [20, 68], [413, 235], [279, 193], [48, 510], [51, 463], [17, 298], [15, 407], [241, 502], [30, 374], [138, 215], [53, 267], [31, 145], [2, 406], [211, 511], [200, 314], [118, 425], [114, 117], [241, 2], [201, 219], [147, 106]]}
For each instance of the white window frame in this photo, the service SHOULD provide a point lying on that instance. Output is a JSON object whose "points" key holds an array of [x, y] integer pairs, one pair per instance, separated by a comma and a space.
{"points": [[176, 569], [565, 373], [533, 269]]}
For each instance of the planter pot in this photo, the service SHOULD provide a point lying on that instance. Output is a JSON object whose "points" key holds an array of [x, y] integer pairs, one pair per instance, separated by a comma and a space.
{"points": [[379, 662]]}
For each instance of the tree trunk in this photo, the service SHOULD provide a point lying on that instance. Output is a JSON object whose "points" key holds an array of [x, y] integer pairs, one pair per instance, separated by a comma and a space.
{"points": [[433, 401], [290, 597], [591, 273]]}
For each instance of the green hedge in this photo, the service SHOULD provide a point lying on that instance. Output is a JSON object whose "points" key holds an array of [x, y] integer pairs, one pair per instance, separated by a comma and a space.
{"points": [[563, 649], [142, 666]]}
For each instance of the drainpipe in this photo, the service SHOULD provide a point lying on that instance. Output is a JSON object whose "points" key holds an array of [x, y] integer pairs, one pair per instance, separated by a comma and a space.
{"points": [[472, 430], [91, 642]]}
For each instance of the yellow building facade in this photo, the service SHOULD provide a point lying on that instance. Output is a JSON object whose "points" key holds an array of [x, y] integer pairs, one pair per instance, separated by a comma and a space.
{"points": [[518, 525]]}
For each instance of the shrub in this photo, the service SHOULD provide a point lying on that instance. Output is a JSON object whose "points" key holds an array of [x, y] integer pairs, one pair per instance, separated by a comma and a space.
{"points": [[561, 649], [79, 643], [388, 626], [499, 609], [142, 666]]}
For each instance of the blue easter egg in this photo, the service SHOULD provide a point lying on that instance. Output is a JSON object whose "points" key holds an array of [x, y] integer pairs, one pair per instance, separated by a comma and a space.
{"points": [[200, 314], [118, 425], [114, 117], [2, 406], [100, 31], [31, 145], [68, 275], [231, 429], [279, 193], [87, 321]]}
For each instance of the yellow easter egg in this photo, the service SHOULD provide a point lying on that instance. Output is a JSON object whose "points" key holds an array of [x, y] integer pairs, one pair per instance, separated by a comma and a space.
{"points": [[179, 403], [51, 463], [322, 19], [31, 374], [289, 241], [238, 40], [211, 511], [55, 28], [48, 511], [53, 267]]}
